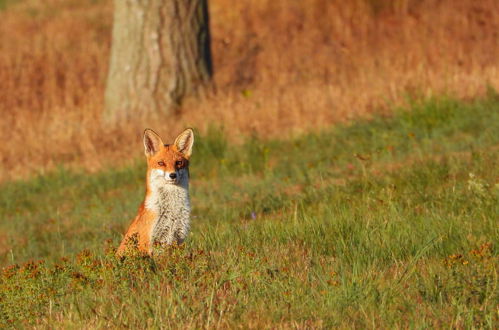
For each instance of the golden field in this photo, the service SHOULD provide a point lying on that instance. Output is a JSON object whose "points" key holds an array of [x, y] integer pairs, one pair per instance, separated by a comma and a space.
{"points": [[281, 68]]}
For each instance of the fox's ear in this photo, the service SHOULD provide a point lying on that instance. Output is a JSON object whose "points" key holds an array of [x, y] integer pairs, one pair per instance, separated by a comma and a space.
{"points": [[152, 142], [184, 142]]}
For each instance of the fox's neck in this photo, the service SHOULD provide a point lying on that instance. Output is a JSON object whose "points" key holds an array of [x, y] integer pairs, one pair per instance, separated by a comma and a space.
{"points": [[171, 207], [167, 199]]}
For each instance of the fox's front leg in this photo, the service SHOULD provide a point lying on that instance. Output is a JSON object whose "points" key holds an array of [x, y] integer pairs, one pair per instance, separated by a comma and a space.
{"points": [[180, 234]]}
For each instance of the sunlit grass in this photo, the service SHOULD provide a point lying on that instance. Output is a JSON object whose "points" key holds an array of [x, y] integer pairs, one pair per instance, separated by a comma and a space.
{"points": [[378, 224]]}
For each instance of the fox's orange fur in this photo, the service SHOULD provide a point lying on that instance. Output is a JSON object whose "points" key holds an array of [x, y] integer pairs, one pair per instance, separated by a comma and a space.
{"points": [[163, 217]]}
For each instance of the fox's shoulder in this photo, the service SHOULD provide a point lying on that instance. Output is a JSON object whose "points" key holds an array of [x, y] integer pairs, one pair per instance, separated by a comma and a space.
{"points": [[140, 229], [144, 219]]}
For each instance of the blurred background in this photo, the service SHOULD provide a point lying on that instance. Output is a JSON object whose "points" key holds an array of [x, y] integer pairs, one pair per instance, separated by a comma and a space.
{"points": [[281, 68]]}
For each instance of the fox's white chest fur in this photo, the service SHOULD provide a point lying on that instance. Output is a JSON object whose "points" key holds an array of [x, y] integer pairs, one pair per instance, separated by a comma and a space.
{"points": [[171, 205]]}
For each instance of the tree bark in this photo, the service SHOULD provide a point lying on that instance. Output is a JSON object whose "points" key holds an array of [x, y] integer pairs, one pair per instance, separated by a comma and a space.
{"points": [[160, 54]]}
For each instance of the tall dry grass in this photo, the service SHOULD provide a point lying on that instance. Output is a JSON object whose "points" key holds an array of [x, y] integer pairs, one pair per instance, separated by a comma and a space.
{"points": [[280, 68]]}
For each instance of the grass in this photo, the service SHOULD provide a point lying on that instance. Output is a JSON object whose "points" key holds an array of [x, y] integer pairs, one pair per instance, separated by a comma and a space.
{"points": [[375, 224]]}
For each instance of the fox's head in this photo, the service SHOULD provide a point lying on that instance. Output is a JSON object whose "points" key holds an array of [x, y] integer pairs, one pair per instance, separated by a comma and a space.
{"points": [[168, 164]]}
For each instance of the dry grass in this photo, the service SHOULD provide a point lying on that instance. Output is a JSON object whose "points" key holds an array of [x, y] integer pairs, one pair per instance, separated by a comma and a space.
{"points": [[280, 70]]}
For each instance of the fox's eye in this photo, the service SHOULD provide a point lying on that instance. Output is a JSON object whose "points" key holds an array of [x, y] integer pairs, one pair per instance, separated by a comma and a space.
{"points": [[179, 163], [161, 163]]}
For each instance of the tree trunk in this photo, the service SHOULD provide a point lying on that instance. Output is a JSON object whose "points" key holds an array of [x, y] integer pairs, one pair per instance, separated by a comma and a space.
{"points": [[160, 54]]}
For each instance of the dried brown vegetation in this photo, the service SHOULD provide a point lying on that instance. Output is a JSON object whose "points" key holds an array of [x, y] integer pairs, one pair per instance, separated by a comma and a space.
{"points": [[279, 68]]}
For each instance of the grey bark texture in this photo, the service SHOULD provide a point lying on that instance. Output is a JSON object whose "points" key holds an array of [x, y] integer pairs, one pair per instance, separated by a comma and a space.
{"points": [[160, 53]]}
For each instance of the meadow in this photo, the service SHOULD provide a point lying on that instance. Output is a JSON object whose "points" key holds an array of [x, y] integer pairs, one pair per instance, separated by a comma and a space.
{"points": [[345, 171], [382, 223]]}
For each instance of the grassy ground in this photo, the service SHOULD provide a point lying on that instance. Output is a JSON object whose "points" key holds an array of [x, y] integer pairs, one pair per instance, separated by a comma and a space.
{"points": [[386, 223]]}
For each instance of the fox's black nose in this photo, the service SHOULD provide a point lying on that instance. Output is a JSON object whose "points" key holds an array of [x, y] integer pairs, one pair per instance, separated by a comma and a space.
{"points": [[173, 175]]}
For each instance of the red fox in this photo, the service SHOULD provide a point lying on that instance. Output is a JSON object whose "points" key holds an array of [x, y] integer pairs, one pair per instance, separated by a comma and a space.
{"points": [[164, 216]]}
